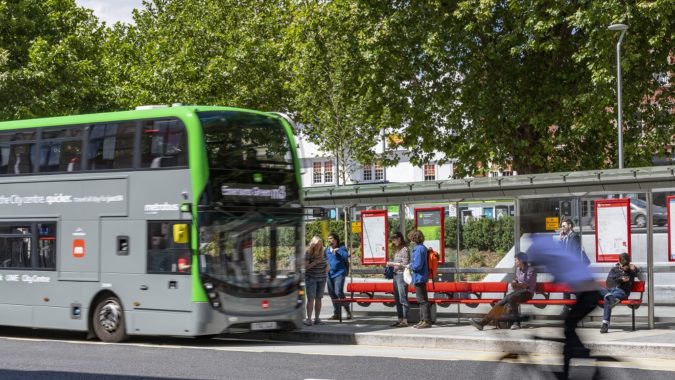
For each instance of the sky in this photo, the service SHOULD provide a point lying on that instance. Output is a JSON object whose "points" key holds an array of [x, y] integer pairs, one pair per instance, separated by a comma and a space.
{"points": [[111, 11]]}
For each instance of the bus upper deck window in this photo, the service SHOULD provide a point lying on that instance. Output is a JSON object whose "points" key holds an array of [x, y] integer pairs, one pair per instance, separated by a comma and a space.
{"points": [[163, 144]]}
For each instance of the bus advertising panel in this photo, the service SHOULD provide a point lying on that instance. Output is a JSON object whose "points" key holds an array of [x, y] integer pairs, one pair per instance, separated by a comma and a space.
{"points": [[670, 203], [374, 237], [430, 222], [612, 232]]}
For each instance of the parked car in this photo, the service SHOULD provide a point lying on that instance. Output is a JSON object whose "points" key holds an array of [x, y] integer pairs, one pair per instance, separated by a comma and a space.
{"points": [[638, 213]]}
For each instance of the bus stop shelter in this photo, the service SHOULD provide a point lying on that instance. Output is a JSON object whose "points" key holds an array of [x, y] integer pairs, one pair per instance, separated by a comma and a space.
{"points": [[645, 192]]}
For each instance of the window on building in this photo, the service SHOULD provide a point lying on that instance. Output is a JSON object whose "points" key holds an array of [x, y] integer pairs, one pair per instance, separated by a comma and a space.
{"points": [[429, 172], [328, 172], [322, 172], [379, 172], [367, 173], [165, 255], [317, 175]]}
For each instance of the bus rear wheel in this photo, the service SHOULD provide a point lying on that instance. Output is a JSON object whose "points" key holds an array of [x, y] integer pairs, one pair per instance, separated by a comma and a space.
{"points": [[108, 320]]}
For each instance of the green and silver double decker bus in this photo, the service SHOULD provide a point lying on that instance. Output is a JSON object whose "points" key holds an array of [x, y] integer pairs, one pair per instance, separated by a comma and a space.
{"points": [[182, 221]]}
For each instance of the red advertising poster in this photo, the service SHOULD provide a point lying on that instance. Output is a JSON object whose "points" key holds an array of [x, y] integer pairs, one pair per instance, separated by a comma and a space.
{"points": [[612, 229], [431, 221], [374, 237]]}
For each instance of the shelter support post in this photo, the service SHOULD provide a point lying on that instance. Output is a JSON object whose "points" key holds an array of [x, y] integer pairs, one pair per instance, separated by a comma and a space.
{"points": [[650, 260]]}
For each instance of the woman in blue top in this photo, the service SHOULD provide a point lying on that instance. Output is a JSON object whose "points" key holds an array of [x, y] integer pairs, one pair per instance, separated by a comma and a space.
{"points": [[420, 275], [337, 257]]}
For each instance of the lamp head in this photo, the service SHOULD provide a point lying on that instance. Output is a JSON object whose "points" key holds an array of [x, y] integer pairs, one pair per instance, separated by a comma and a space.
{"points": [[618, 27]]}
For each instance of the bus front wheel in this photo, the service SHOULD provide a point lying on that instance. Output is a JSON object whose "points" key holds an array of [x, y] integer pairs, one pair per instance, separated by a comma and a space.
{"points": [[108, 320]]}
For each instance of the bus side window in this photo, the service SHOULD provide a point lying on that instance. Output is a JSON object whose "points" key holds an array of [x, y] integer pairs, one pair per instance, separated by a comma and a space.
{"points": [[164, 254], [163, 144], [46, 246], [21, 159], [110, 146]]}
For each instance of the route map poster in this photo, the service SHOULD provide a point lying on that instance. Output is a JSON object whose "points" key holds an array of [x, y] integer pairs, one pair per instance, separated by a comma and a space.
{"points": [[670, 203], [374, 237], [430, 222], [612, 229]]}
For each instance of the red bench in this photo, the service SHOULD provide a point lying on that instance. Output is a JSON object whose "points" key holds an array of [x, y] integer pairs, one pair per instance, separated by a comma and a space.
{"points": [[472, 294]]}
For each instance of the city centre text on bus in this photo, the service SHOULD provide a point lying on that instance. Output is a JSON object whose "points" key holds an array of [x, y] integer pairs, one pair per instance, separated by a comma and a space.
{"points": [[169, 221]]}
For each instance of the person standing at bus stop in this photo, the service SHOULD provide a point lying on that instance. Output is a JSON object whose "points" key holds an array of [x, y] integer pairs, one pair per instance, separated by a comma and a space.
{"points": [[338, 258], [420, 275], [315, 280], [401, 260]]}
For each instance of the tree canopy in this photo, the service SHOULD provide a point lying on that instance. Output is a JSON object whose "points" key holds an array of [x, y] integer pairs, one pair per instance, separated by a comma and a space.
{"points": [[520, 82]]}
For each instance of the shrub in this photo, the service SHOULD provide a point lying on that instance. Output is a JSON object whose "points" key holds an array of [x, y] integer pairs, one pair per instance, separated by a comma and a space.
{"points": [[451, 232]]}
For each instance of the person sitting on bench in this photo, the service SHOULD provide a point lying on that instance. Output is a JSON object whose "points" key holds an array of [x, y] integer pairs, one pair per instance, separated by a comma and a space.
{"points": [[523, 290], [619, 283]]}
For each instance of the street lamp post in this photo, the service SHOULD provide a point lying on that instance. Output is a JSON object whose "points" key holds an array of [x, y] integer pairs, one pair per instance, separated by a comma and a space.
{"points": [[622, 28]]}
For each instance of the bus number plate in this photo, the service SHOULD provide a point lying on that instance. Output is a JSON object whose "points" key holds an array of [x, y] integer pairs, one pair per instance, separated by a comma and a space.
{"points": [[257, 326]]}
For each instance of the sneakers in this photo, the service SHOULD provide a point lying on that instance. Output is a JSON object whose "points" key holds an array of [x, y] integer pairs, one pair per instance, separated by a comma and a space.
{"points": [[604, 329], [476, 324], [515, 326], [423, 325], [307, 322], [317, 321]]}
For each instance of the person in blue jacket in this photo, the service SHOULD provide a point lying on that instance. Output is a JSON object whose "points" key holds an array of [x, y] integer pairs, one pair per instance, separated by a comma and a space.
{"points": [[337, 257], [420, 275]]}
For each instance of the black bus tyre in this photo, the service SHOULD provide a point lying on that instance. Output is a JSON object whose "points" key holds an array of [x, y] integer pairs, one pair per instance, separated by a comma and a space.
{"points": [[108, 320]]}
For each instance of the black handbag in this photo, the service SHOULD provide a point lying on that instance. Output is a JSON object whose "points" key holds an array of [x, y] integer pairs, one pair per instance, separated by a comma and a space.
{"points": [[389, 272]]}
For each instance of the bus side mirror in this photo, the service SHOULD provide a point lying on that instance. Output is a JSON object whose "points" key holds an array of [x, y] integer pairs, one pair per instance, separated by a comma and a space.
{"points": [[180, 233]]}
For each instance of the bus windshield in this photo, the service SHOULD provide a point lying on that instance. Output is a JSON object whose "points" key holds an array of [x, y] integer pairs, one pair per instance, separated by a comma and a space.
{"points": [[251, 252], [248, 152]]}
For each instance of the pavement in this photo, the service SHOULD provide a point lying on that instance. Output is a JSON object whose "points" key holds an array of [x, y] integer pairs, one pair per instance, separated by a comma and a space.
{"points": [[372, 327]]}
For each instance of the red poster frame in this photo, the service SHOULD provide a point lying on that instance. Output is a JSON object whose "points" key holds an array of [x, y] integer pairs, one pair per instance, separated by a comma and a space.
{"points": [[367, 213], [670, 253], [441, 211], [623, 202]]}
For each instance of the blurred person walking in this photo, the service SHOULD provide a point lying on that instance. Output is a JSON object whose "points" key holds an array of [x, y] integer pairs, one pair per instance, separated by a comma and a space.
{"points": [[569, 269]]}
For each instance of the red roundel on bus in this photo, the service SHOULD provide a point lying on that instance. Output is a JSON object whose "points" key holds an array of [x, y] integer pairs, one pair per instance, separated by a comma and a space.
{"points": [[78, 248], [265, 304]]}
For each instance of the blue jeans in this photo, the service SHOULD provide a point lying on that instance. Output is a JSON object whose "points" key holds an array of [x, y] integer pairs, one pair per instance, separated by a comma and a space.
{"points": [[314, 287], [610, 295], [336, 290], [401, 296]]}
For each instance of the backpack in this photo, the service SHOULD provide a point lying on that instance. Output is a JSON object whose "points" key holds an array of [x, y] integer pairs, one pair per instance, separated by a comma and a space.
{"points": [[346, 262], [346, 267], [432, 260]]}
